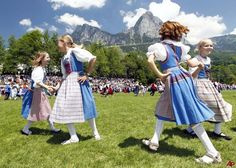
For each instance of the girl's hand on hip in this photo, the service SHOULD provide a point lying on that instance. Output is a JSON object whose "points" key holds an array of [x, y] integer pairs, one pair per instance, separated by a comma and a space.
{"points": [[164, 77], [82, 79]]}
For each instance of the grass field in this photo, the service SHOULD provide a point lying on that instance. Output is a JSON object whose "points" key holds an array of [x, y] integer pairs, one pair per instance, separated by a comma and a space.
{"points": [[123, 121]]}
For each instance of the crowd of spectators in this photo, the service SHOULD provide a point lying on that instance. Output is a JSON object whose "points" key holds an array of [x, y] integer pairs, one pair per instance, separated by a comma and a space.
{"points": [[15, 86]]}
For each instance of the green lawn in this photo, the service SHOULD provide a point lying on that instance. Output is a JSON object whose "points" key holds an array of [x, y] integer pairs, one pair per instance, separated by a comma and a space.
{"points": [[123, 121]]}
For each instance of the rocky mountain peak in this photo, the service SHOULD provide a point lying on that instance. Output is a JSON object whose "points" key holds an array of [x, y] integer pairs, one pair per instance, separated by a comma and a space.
{"points": [[145, 30]]}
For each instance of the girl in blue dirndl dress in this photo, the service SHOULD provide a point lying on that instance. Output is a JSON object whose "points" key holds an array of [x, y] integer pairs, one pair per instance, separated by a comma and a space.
{"points": [[179, 102], [74, 102], [35, 104]]}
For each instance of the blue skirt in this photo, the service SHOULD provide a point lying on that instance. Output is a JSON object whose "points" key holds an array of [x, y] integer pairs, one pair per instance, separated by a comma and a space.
{"points": [[89, 106], [26, 103], [185, 105]]}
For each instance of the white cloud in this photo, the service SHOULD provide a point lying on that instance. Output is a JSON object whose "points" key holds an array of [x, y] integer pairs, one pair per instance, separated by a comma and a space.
{"points": [[49, 27], [35, 28], [130, 18], [52, 28], [233, 32], [45, 24], [165, 11], [25, 22], [122, 12], [74, 20], [129, 2], [83, 4], [201, 26]]}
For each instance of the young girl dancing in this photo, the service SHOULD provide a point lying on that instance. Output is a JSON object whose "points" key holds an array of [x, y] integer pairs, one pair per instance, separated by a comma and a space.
{"points": [[207, 91], [74, 102], [178, 102], [35, 105]]}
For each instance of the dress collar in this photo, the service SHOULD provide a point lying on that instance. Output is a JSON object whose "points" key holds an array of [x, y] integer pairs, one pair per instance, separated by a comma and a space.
{"points": [[177, 43]]}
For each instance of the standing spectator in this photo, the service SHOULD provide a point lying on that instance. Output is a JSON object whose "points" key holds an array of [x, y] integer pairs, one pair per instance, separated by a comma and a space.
{"points": [[153, 89], [7, 90]]}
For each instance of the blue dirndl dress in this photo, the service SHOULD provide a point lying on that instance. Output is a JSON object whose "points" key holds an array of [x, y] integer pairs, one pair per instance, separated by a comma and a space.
{"points": [[180, 102], [35, 104], [74, 102]]}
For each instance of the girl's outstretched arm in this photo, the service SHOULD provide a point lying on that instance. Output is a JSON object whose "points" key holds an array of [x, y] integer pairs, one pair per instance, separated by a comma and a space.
{"points": [[193, 62], [199, 68]]}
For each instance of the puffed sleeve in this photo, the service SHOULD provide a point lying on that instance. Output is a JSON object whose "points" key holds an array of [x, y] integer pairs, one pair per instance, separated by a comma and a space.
{"points": [[185, 56], [158, 50], [82, 55], [37, 76]]}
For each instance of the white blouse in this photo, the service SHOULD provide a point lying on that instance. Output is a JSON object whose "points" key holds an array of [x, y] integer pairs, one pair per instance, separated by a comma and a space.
{"points": [[159, 51], [37, 76], [81, 55]]}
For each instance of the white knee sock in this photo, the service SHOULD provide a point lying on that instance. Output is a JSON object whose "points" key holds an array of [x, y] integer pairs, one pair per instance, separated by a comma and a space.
{"points": [[217, 128], [72, 132], [158, 130], [92, 124], [202, 135], [27, 126], [51, 125]]}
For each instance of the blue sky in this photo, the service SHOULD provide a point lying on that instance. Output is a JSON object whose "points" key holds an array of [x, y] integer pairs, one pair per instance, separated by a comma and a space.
{"points": [[205, 18]]}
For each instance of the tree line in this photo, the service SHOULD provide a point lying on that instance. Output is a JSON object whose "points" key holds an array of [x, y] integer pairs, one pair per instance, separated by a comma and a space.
{"points": [[112, 61]]}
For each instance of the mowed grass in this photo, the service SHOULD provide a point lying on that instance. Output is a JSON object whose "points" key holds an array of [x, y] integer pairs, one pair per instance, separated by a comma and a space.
{"points": [[123, 121]]}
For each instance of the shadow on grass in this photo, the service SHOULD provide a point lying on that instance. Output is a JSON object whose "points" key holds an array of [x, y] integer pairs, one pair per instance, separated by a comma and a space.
{"points": [[57, 139], [233, 129], [131, 141], [178, 132], [40, 131], [164, 148], [182, 133]]}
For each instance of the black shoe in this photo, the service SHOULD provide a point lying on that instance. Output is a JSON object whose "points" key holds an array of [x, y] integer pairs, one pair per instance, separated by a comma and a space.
{"points": [[221, 135], [192, 133]]}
